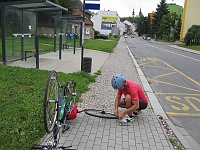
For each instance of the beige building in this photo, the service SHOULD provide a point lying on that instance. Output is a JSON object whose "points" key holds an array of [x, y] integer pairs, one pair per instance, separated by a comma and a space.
{"points": [[190, 16]]}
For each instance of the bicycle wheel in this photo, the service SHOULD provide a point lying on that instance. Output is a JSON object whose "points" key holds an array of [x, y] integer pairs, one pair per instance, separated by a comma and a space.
{"points": [[100, 114], [51, 98]]}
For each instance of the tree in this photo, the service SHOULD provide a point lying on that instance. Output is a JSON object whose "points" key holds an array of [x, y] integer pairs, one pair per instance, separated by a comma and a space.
{"points": [[178, 27], [165, 26], [161, 10], [69, 4], [140, 23]]}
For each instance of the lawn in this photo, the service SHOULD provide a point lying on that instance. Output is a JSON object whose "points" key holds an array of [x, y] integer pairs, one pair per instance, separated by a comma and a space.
{"points": [[13, 47], [193, 47], [21, 103], [101, 45]]}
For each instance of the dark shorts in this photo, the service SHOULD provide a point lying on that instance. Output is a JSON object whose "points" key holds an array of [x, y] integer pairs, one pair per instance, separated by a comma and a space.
{"points": [[142, 104]]}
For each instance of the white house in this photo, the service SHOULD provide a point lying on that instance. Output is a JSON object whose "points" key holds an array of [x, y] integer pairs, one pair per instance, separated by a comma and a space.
{"points": [[122, 28], [107, 22], [128, 26]]}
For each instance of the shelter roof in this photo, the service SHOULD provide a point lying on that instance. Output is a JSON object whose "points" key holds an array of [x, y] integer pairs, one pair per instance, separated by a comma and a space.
{"points": [[34, 5]]}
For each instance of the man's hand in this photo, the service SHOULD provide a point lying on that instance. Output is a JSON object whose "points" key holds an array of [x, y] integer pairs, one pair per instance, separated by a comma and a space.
{"points": [[122, 114], [116, 112]]}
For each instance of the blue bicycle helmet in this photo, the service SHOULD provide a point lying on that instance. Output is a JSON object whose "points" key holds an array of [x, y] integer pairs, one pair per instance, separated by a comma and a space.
{"points": [[117, 81]]}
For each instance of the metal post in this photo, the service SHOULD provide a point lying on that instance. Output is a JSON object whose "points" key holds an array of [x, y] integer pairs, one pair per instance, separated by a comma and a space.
{"points": [[3, 35], [37, 51], [74, 43], [83, 26], [37, 43], [81, 31], [60, 46], [22, 38], [55, 23]]}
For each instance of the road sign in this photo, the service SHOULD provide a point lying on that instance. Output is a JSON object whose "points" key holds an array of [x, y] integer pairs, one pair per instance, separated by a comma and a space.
{"points": [[92, 6]]}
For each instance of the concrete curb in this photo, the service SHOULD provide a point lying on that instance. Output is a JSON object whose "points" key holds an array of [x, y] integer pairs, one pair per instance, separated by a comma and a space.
{"points": [[188, 142], [185, 49]]}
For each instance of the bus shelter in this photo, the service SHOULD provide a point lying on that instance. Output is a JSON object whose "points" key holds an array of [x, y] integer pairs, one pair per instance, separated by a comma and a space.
{"points": [[23, 22]]}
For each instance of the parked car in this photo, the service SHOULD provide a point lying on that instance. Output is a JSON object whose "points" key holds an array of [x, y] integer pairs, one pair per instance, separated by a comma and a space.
{"points": [[125, 36], [146, 37], [101, 36]]}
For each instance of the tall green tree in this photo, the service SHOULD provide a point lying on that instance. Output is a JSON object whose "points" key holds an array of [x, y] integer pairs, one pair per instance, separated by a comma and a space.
{"points": [[165, 26], [161, 10], [178, 27], [69, 4], [140, 25]]}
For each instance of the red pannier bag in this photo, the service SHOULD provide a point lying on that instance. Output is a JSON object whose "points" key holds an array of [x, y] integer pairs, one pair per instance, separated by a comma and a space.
{"points": [[73, 114]]}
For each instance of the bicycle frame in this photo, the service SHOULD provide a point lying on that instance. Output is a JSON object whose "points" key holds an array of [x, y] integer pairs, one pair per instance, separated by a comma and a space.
{"points": [[65, 107]]}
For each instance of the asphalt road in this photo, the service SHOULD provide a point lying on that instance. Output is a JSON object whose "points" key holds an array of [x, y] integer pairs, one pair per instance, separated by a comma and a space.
{"points": [[174, 76]]}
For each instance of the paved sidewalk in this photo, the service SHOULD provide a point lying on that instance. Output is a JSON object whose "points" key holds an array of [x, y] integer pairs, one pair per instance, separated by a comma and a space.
{"points": [[68, 63]]}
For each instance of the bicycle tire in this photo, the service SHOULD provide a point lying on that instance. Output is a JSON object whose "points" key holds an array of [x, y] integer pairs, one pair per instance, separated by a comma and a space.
{"points": [[50, 104], [100, 114]]}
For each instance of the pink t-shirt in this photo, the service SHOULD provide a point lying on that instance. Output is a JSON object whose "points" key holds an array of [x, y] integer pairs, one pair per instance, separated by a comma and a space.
{"points": [[134, 90]]}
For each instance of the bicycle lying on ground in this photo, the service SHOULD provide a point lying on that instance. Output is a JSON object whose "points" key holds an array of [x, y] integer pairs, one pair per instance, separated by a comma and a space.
{"points": [[57, 107], [59, 103]]}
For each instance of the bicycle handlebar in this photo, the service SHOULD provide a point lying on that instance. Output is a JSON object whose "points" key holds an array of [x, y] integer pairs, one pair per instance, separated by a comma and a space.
{"points": [[71, 82]]}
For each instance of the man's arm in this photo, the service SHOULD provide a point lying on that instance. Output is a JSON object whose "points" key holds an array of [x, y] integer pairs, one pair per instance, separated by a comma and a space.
{"points": [[117, 100]]}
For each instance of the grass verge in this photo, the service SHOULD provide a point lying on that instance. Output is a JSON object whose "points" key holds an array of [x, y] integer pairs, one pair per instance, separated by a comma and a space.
{"points": [[193, 47], [21, 103]]}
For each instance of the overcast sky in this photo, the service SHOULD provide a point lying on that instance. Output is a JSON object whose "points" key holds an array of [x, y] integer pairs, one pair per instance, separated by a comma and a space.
{"points": [[125, 7]]}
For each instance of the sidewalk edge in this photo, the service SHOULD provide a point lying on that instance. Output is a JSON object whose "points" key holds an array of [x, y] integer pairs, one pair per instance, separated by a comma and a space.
{"points": [[185, 49]]}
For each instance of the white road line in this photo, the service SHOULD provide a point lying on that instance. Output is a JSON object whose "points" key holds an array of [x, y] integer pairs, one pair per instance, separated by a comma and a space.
{"points": [[173, 52]]}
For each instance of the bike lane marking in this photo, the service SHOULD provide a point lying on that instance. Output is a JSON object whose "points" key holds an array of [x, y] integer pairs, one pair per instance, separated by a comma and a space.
{"points": [[181, 103]]}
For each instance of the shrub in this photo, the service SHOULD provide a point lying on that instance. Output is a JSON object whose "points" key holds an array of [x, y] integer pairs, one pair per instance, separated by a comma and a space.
{"points": [[96, 32], [192, 36], [188, 38], [116, 36]]}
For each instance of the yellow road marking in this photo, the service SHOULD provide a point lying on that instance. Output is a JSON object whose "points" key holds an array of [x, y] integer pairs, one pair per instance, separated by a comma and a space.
{"points": [[164, 75], [175, 85], [150, 59], [188, 99], [148, 62], [158, 93], [182, 74], [159, 67], [174, 100], [183, 114]]}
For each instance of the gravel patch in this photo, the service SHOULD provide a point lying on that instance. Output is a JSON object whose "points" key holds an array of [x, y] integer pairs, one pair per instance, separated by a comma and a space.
{"points": [[101, 94]]}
